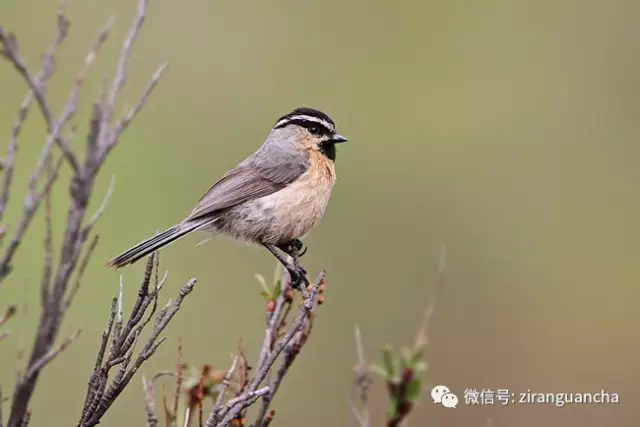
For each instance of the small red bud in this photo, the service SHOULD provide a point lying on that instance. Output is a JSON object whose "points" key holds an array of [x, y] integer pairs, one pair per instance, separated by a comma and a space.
{"points": [[271, 306], [289, 295], [407, 375]]}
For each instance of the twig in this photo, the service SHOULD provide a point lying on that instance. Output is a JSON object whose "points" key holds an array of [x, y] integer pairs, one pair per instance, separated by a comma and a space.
{"points": [[103, 206], [147, 386], [37, 85], [234, 406], [211, 420], [123, 123], [361, 383], [269, 418], [40, 363], [100, 395], [83, 266], [179, 378], [274, 319], [31, 203], [149, 402], [422, 337], [48, 246], [8, 314]]}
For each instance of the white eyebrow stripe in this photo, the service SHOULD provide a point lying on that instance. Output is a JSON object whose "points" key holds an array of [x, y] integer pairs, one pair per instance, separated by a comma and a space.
{"points": [[324, 123]]}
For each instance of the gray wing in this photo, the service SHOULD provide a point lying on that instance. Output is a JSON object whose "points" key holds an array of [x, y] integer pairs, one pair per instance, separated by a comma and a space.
{"points": [[258, 176]]}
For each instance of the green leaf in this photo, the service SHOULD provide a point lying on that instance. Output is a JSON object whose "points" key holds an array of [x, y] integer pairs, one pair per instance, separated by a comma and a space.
{"points": [[377, 369], [416, 355], [277, 273], [393, 406], [263, 283], [420, 366], [389, 362], [266, 295], [413, 389], [406, 356], [277, 289]]}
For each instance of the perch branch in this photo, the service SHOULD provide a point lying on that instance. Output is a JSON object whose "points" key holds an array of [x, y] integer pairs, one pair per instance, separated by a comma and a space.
{"points": [[234, 407]]}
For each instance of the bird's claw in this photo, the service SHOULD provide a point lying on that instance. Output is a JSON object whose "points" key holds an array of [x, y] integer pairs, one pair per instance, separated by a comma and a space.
{"points": [[298, 277], [295, 247]]}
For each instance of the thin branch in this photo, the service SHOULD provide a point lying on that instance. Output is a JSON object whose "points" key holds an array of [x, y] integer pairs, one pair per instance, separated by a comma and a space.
{"points": [[422, 337], [123, 123], [243, 401], [211, 420], [10, 51], [40, 363], [121, 74], [101, 395], [149, 402], [361, 383], [8, 314], [147, 386], [103, 206], [31, 203], [83, 266], [47, 269]]}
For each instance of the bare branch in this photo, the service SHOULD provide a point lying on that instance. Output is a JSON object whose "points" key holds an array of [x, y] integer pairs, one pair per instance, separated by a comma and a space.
{"points": [[55, 281], [48, 246], [121, 74], [40, 363], [217, 407], [243, 401], [235, 406], [83, 266], [31, 203], [361, 383], [422, 337], [9, 51], [103, 206], [149, 402], [31, 200], [101, 395], [123, 123]]}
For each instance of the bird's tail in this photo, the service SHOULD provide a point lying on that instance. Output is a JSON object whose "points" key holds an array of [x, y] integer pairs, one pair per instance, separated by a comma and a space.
{"points": [[154, 243]]}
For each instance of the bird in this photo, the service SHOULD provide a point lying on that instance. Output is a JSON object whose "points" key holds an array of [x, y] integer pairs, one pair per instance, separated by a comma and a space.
{"points": [[273, 198]]}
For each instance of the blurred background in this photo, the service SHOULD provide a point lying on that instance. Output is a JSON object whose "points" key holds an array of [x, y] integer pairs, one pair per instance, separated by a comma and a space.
{"points": [[506, 130]]}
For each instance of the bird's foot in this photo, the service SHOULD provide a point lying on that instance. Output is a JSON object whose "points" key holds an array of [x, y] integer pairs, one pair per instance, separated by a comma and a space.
{"points": [[295, 248], [298, 276]]}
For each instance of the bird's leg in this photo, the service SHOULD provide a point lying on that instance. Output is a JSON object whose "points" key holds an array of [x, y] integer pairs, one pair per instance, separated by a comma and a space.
{"points": [[295, 249], [297, 273]]}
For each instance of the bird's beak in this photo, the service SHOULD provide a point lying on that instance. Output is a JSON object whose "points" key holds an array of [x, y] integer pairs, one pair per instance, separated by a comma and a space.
{"points": [[337, 139]]}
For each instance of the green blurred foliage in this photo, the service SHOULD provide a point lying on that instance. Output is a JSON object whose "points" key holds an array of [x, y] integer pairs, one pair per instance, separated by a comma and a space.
{"points": [[506, 130]]}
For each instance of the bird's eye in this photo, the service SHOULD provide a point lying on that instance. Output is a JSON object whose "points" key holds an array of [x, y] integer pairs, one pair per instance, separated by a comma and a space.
{"points": [[315, 130]]}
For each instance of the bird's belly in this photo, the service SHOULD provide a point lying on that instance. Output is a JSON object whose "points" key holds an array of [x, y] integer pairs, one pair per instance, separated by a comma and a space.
{"points": [[279, 217]]}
